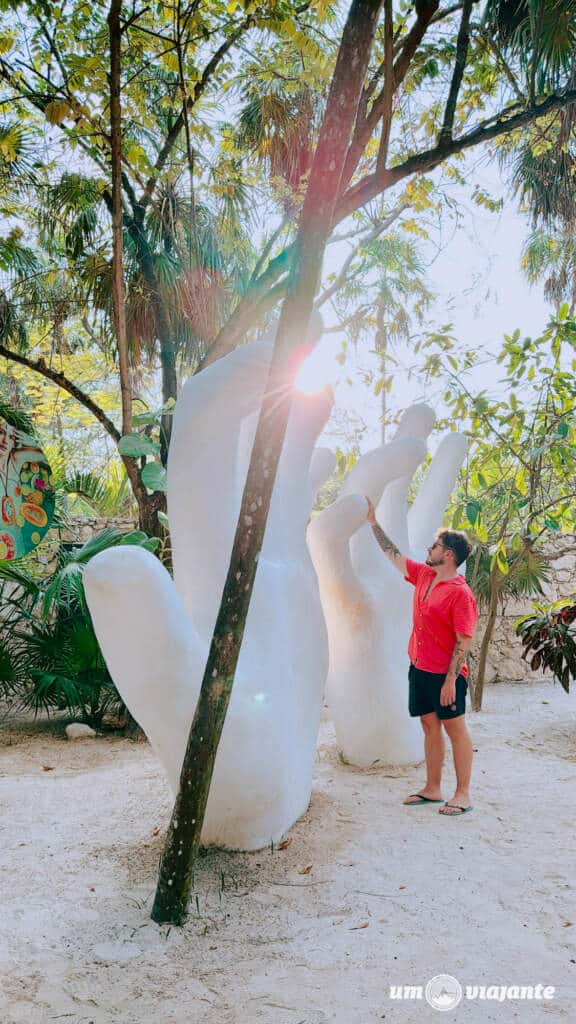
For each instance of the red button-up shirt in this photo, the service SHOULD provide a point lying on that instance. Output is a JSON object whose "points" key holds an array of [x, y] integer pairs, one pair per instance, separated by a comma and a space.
{"points": [[448, 608]]}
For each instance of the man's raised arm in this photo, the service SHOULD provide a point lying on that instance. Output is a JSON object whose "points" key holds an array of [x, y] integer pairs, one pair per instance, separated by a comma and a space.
{"points": [[388, 546]]}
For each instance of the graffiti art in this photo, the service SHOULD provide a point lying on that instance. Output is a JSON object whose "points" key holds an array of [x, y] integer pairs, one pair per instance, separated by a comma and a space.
{"points": [[26, 493]]}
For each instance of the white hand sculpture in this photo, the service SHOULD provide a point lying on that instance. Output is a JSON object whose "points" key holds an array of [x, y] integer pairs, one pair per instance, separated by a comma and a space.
{"points": [[155, 633], [367, 604]]}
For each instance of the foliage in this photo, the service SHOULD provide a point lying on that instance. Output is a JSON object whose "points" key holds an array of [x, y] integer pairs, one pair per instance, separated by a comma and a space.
{"points": [[520, 478], [528, 570], [549, 640], [49, 656], [518, 486]]}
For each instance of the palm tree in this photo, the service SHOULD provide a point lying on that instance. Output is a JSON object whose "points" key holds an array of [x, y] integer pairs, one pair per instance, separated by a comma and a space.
{"points": [[552, 259], [383, 295]]}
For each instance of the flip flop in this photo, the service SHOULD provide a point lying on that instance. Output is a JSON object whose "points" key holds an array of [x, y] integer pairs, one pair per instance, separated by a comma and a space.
{"points": [[459, 810], [421, 800]]}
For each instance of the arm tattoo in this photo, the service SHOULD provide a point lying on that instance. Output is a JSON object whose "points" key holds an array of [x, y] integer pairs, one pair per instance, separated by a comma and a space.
{"points": [[388, 546], [458, 659]]}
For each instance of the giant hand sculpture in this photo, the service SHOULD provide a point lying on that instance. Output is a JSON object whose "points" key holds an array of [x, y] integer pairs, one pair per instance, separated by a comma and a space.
{"points": [[155, 633], [367, 604]]}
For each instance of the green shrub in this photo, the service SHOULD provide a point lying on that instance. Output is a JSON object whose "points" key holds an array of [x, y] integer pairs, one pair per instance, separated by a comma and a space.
{"points": [[50, 659], [549, 638]]}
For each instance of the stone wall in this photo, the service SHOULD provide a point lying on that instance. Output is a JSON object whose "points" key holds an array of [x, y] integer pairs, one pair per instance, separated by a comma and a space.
{"points": [[505, 660], [79, 530]]}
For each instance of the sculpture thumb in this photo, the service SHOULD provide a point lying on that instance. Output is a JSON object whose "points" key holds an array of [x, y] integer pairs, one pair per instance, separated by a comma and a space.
{"points": [[149, 646], [322, 465], [328, 539]]}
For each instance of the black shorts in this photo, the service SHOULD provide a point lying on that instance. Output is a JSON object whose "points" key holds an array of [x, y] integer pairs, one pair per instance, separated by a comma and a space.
{"points": [[424, 694]]}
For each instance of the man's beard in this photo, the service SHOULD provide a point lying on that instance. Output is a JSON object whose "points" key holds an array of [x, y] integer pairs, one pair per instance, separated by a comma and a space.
{"points": [[434, 562]]}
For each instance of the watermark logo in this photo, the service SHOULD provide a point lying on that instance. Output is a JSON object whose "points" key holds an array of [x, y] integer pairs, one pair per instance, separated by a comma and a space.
{"points": [[443, 992]]}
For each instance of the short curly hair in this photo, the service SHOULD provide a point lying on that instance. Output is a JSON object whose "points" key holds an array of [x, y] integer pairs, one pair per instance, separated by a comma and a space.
{"points": [[457, 542]]}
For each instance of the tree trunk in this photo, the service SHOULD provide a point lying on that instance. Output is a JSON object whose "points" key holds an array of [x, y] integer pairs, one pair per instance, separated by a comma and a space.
{"points": [[478, 689], [115, 34], [137, 229], [382, 350], [183, 840], [148, 505]]}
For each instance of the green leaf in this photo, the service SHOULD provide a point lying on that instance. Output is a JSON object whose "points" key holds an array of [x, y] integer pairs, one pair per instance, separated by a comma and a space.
{"points": [[154, 476], [145, 419], [473, 510], [481, 533], [502, 562], [563, 429], [137, 444], [520, 481]]}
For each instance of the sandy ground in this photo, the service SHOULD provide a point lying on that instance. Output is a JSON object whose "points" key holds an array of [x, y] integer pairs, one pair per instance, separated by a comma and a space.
{"points": [[367, 894]]}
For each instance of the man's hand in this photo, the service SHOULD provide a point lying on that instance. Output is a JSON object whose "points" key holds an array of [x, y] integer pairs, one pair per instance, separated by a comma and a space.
{"points": [[448, 691]]}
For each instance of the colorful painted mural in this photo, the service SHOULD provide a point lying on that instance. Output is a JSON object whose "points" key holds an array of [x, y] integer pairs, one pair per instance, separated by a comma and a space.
{"points": [[26, 493]]}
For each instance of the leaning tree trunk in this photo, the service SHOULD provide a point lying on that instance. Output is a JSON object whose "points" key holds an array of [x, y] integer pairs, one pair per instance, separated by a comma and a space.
{"points": [[478, 688], [183, 839]]}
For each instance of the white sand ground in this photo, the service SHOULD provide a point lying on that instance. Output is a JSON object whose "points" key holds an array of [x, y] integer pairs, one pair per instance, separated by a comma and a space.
{"points": [[366, 895]]}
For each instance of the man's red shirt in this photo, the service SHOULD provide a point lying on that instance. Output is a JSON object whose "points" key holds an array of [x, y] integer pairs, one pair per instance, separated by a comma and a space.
{"points": [[448, 609]]}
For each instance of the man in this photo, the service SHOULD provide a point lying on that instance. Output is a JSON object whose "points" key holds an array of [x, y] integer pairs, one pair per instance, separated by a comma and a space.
{"points": [[444, 620]]}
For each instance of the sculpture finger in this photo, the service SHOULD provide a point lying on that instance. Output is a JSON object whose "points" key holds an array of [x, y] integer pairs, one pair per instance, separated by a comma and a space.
{"points": [[204, 489], [322, 465], [426, 513], [292, 495], [372, 475], [328, 537], [149, 646], [417, 421]]}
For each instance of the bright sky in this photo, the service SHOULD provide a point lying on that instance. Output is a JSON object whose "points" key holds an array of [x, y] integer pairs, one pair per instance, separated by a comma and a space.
{"points": [[480, 290]]}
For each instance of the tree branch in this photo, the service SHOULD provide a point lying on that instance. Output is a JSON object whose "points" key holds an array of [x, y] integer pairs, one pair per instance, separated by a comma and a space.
{"points": [[374, 184], [425, 11], [252, 305], [267, 248], [199, 88], [389, 85], [61, 381], [39, 366], [462, 44], [374, 233], [492, 44]]}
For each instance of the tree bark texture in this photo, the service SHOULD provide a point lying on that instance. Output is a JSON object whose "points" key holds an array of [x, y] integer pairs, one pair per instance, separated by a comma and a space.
{"points": [[115, 37], [485, 645], [183, 839]]}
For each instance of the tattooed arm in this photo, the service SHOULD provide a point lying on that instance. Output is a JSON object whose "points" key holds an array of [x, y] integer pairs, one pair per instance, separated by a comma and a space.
{"points": [[461, 648], [388, 546]]}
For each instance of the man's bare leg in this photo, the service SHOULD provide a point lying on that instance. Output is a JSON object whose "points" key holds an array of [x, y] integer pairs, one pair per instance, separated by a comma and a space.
{"points": [[462, 752], [434, 753]]}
